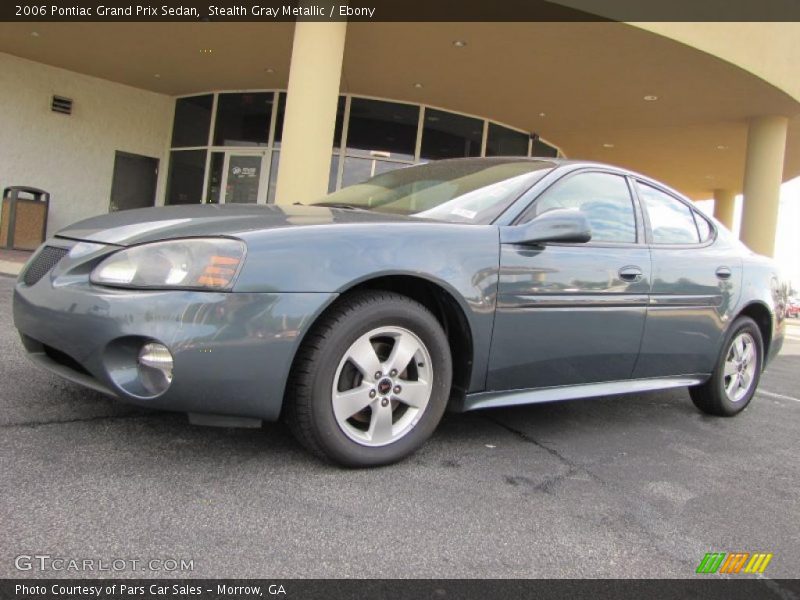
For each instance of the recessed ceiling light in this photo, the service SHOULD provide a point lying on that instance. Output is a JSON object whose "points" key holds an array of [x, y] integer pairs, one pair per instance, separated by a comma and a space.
{"points": [[206, 51], [459, 43], [542, 115], [722, 147], [607, 145], [157, 75], [269, 70], [418, 86], [650, 98], [34, 34]]}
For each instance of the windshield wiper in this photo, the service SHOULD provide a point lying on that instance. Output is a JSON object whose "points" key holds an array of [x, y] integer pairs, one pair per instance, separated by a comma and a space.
{"points": [[337, 205]]}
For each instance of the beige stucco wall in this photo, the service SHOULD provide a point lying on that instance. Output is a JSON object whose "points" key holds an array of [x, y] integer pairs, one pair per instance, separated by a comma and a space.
{"points": [[72, 157]]}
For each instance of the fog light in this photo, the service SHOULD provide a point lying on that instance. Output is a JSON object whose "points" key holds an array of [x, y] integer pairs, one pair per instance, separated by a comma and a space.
{"points": [[155, 367]]}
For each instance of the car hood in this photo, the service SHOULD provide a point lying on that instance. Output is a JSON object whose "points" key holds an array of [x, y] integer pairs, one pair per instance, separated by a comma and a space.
{"points": [[152, 224]]}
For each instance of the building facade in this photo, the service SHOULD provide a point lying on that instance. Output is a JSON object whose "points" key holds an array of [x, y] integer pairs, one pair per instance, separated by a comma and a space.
{"points": [[173, 113]]}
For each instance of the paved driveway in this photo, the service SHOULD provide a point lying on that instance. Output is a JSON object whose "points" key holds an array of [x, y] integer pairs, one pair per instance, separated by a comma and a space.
{"points": [[633, 486]]}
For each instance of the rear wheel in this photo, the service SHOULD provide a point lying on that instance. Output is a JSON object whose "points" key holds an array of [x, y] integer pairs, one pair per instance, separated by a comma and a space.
{"points": [[738, 371], [371, 382]]}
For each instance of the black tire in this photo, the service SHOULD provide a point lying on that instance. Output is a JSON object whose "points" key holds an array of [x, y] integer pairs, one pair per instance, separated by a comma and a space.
{"points": [[711, 397], [308, 408]]}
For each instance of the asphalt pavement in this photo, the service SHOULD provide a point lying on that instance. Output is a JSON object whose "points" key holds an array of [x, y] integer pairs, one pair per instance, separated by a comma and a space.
{"points": [[626, 486]]}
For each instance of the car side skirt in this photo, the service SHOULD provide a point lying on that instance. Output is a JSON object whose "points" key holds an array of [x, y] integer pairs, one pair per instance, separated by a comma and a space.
{"points": [[573, 392]]}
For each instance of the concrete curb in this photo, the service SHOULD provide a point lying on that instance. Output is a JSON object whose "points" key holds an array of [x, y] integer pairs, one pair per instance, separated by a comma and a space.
{"points": [[10, 268]]}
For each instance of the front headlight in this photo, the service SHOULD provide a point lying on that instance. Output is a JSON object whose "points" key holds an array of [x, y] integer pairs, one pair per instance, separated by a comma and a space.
{"points": [[194, 263]]}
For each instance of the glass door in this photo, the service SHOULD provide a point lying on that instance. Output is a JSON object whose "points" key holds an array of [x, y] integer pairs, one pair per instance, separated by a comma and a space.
{"points": [[237, 177], [243, 175]]}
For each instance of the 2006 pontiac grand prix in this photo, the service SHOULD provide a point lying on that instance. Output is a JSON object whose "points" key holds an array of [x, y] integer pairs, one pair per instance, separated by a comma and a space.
{"points": [[359, 319]]}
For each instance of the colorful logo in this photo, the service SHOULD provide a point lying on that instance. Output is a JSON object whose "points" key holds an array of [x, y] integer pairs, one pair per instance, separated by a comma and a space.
{"points": [[721, 562]]}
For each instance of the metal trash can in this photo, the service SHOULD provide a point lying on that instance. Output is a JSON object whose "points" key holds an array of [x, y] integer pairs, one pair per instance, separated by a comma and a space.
{"points": [[23, 218]]}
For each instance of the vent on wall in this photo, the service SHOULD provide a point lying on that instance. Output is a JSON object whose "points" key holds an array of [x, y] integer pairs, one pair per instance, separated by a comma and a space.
{"points": [[61, 105]]}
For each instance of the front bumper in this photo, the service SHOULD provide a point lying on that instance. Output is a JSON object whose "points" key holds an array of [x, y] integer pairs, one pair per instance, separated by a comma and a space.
{"points": [[232, 352]]}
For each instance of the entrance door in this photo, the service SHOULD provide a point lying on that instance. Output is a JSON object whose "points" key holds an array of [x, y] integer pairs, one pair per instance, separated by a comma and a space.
{"points": [[134, 181], [243, 175]]}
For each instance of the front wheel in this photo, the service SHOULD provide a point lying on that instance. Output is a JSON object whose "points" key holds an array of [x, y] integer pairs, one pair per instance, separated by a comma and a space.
{"points": [[738, 371], [371, 381]]}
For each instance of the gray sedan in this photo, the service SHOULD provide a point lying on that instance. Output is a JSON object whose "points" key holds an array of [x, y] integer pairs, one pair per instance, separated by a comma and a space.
{"points": [[359, 319]]}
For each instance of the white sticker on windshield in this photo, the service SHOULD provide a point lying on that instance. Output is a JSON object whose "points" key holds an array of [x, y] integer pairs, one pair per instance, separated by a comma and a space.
{"points": [[463, 212]]}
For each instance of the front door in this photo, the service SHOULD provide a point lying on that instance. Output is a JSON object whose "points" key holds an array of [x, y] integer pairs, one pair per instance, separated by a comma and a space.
{"points": [[243, 175], [570, 314], [134, 181]]}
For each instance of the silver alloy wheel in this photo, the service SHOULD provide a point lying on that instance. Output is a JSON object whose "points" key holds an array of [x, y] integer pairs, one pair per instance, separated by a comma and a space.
{"points": [[740, 367], [382, 385]]}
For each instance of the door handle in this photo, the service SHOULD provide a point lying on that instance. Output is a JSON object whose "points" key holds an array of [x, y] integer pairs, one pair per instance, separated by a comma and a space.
{"points": [[723, 273], [630, 273]]}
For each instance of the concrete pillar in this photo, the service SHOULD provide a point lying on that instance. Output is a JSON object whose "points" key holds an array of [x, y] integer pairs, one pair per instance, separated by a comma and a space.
{"points": [[310, 118], [724, 203], [763, 174]]}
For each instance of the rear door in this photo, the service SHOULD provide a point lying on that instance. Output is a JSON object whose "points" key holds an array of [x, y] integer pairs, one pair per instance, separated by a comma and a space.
{"points": [[696, 284], [573, 313]]}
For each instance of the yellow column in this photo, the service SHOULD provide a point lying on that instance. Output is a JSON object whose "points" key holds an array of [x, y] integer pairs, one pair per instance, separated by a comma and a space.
{"points": [[724, 203], [763, 174], [310, 118]]}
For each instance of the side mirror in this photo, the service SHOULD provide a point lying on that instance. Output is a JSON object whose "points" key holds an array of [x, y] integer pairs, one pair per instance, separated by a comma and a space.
{"points": [[563, 225]]}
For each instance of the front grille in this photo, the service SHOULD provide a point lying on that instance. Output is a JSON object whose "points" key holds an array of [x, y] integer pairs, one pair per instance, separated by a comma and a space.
{"points": [[41, 265]]}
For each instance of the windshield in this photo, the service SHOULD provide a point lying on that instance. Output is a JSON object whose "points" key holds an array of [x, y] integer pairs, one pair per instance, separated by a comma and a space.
{"points": [[460, 191]]}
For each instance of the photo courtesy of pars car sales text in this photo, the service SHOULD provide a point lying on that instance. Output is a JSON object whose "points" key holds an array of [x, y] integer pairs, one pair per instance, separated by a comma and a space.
{"points": [[124, 589]]}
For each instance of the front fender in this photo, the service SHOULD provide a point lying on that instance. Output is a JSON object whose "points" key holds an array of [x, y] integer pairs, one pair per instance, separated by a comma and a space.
{"points": [[462, 259]]}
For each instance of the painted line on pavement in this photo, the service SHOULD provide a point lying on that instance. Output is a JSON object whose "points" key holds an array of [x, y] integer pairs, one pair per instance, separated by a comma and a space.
{"points": [[774, 395]]}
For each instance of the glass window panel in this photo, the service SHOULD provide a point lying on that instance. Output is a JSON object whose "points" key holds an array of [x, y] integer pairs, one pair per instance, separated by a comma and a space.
{"points": [[244, 174], [385, 127], [356, 170], [384, 166], [703, 227], [337, 129], [540, 148], [604, 199], [503, 141], [185, 178], [215, 178], [279, 116], [273, 177], [671, 220], [448, 135], [243, 119], [192, 121], [333, 173]]}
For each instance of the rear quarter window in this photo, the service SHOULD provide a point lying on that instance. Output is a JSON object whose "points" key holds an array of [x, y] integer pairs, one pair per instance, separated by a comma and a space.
{"points": [[671, 221]]}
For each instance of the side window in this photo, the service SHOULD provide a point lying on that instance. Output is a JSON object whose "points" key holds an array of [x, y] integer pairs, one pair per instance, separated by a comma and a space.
{"points": [[670, 219], [703, 226], [604, 198]]}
